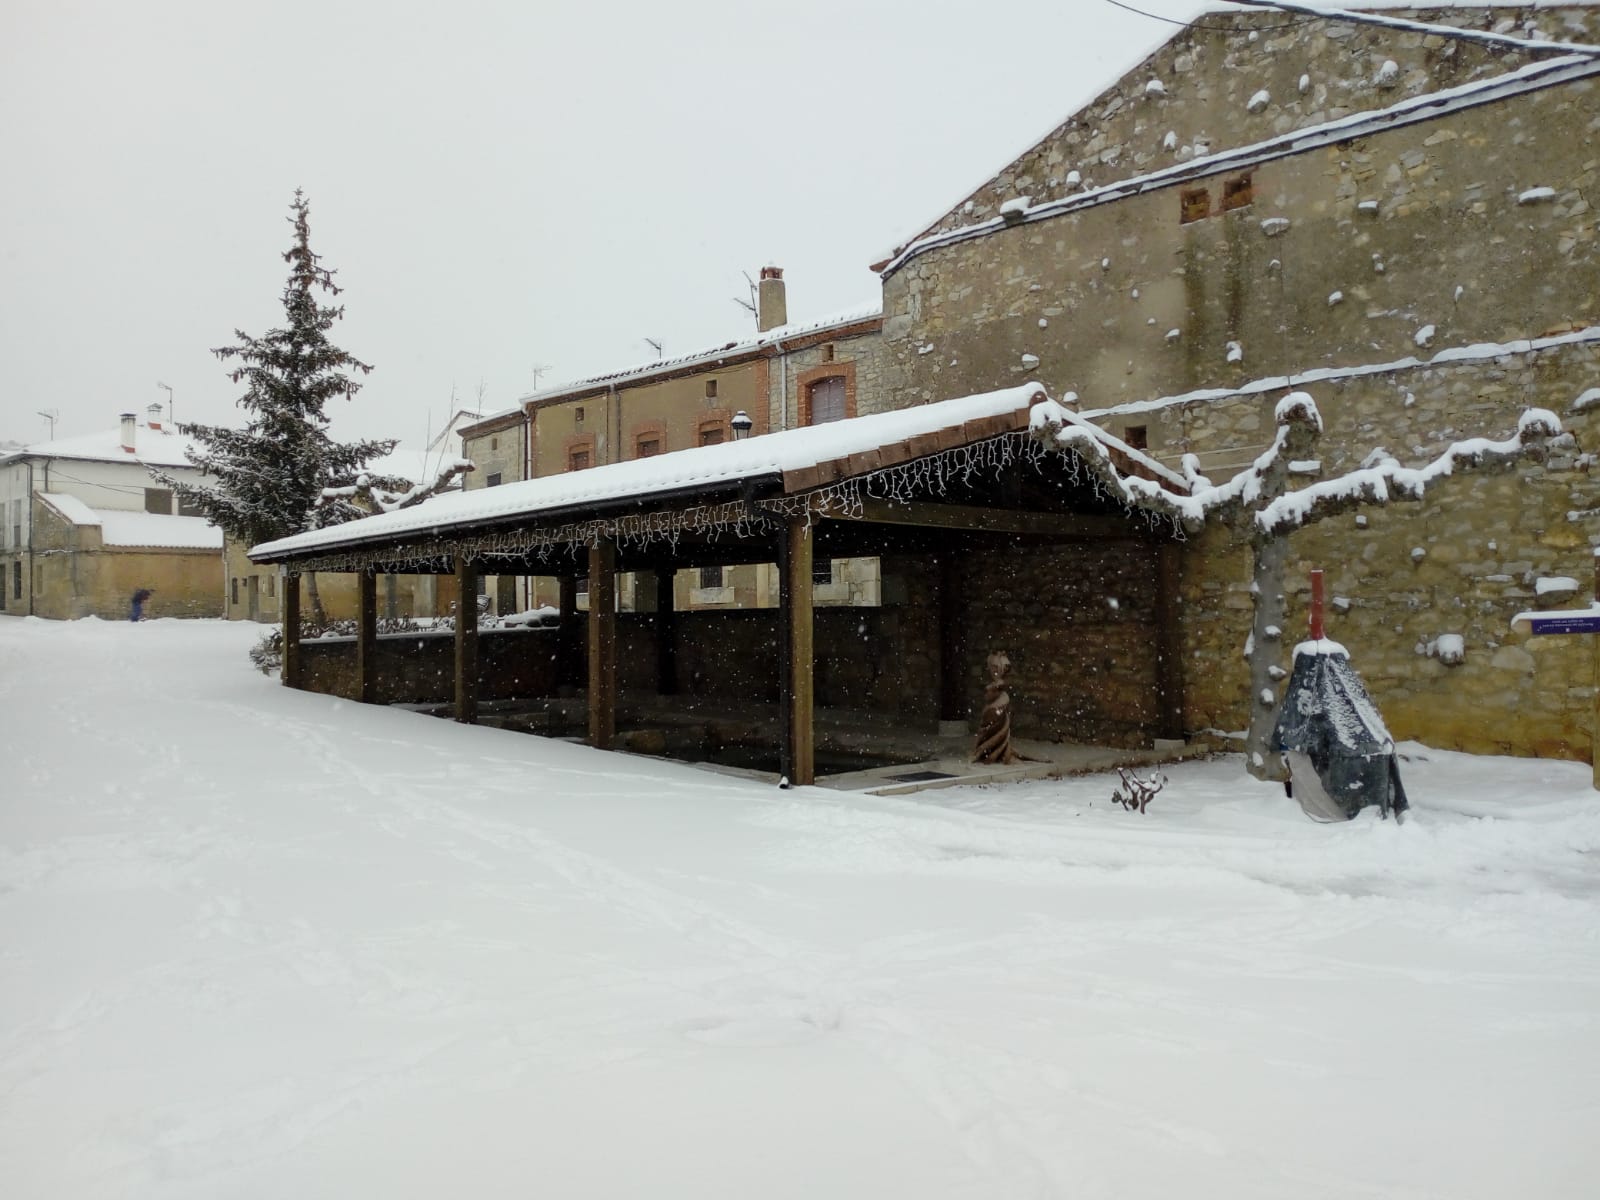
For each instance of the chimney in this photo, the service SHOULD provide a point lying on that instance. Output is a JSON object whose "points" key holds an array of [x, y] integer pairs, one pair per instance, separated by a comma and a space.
{"points": [[153, 416], [772, 307], [129, 421]]}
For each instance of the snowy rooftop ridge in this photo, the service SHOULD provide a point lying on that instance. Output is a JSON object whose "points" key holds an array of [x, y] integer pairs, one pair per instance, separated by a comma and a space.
{"points": [[795, 329], [768, 458], [1414, 110], [124, 528], [151, 447]]}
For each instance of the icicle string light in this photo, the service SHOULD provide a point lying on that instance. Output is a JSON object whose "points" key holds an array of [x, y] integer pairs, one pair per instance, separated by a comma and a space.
{"points": [[902, 483]]}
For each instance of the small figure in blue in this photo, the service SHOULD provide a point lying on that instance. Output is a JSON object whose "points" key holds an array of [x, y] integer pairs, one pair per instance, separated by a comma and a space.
{"points": [[139, 598]]}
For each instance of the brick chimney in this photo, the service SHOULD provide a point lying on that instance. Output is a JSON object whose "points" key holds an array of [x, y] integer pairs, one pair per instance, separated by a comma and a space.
{"points": [[772, 306], [129, 424], [153, 416]]}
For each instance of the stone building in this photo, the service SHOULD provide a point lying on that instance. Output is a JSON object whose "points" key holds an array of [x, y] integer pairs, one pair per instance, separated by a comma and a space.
{"points": [[86, 526], [786, 375], [1393, 218]]}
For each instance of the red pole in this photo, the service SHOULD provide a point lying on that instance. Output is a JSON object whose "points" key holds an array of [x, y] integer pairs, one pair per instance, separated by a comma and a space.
{"points": [[1316, 606]]}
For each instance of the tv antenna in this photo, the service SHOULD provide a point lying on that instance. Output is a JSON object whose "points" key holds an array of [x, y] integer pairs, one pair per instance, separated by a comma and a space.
{"points": [[750, 306], [51, 415], [654, 345], [538, 370]]}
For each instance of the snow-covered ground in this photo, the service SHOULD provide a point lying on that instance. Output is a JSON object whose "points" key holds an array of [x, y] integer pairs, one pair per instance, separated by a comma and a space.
{"points": [[260, 943]]}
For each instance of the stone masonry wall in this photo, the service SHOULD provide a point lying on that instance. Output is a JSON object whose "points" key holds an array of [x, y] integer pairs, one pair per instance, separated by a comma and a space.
{"points": [[1194, 95]]}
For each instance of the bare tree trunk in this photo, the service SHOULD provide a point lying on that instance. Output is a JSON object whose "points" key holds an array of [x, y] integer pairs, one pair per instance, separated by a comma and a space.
{"points": [[1265, 653]]}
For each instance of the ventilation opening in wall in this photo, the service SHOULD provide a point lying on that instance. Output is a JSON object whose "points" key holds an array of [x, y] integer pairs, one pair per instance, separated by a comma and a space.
{"points": [[711, 389], [1137, 437], [1194, 204], [1237, 193]]}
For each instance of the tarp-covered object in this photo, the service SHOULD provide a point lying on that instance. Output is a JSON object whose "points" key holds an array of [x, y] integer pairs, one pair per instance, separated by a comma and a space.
{"points": [[1341, 757]]}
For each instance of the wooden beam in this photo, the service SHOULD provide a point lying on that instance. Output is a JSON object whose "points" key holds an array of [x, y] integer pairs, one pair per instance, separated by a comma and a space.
{"points": [[466, 640], [291, 629], [603, 644], [801, 656], [366, 636], [972, 518], [1169, 641], [666, 633]]}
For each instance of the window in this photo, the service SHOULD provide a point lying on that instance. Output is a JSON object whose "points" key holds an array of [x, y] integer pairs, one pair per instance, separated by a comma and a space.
{"points": [[577, 415], [827, 400], [578, 458], [187, 508], [493, 479], [827, 352], [233, 590], [1137, 437], [822, 570], [712, 435], [494, 444], [158, 500], [16, 523], [710, 577], [1194, 204], [647, 447], [711, 389], [272, 585], [16, 581], [1237, 193]]}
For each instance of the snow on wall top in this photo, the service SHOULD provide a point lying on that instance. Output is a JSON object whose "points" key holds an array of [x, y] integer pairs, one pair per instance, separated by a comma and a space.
{"points": [[781, 333], [1426, 107], [119, 528], [702, 467]]}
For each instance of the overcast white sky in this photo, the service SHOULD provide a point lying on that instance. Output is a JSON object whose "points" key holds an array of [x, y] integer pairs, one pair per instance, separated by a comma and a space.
{"points": [[499, 185]]}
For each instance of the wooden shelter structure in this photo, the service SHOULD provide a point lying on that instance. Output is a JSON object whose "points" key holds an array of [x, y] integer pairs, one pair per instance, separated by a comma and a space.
{"points": [[930, 482]]}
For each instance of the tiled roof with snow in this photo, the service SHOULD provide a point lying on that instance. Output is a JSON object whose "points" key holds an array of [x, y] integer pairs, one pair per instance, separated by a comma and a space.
{"points": [[155, 530], [782, 333], [698, 469]]}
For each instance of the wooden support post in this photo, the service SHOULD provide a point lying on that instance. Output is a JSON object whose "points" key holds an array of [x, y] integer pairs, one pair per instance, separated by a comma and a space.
{"points": [[666, 634], [953, 701], [366, 636], [1169, 641], [799, 652], [603, 644], [291, 629], [466, 640]]}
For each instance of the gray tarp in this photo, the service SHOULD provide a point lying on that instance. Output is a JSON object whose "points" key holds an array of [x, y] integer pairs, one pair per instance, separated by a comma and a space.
{"points": [[1329, 723]]}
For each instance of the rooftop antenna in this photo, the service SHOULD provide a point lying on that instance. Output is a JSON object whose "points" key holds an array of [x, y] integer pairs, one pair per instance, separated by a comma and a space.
{"points": [[654, 345], [51, 414], [538, 370], [750, 306], [172, 409]]}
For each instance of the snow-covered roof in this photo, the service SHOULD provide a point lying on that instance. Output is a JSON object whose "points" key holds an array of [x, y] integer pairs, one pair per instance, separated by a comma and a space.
{"points": [[744, 345], [788, 459], [1426, 107], [152, 447], [120, 528]]}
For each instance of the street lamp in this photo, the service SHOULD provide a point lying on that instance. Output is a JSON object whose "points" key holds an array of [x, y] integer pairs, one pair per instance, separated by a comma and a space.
{"points": [[742, 425], [172, 411]]}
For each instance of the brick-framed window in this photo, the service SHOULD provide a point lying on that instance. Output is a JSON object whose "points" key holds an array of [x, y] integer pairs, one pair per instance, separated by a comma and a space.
{"points": [[1238, 192], [827, 393], [1194, 204], [578, 453], [714, 427], [647, 439]]}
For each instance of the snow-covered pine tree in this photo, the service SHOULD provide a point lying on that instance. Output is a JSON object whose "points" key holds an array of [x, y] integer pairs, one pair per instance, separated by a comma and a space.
{"points": [[265, 481]]}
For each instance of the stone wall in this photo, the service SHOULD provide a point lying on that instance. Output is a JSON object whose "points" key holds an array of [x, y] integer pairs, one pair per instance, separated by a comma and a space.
{"points": [[1078, 623], [1465, 561], [420, 669], [1197, 94]]}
